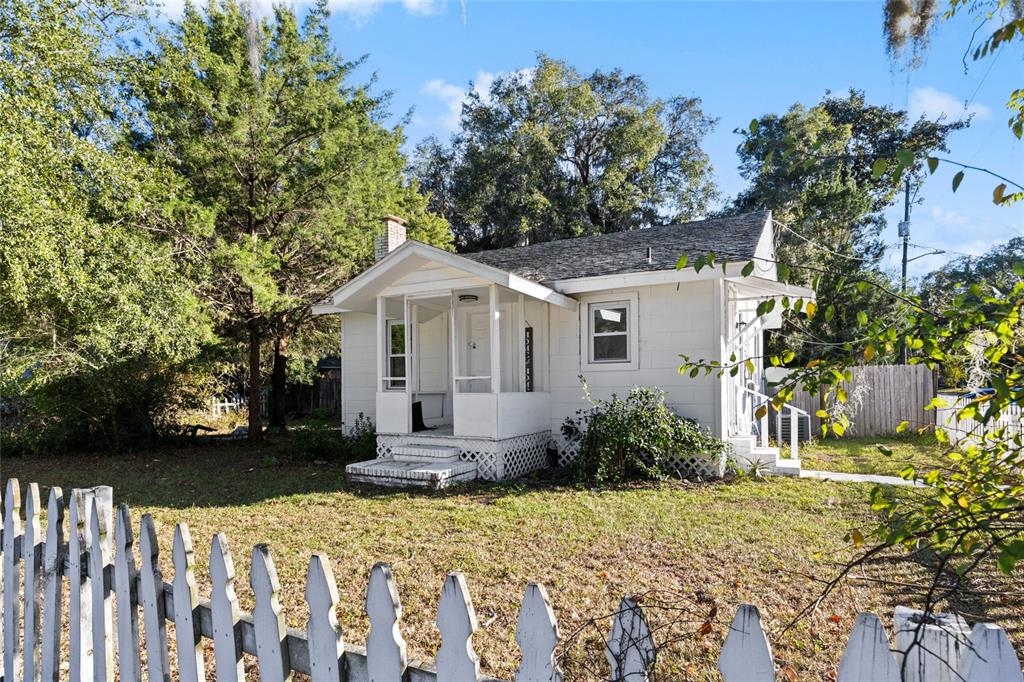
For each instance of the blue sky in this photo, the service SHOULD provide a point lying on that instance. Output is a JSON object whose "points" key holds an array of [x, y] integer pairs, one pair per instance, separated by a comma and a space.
{"points": [[742, 59]]}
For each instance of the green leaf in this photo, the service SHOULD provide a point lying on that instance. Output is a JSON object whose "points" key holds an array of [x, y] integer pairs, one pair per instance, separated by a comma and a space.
{"points": [[754, 125], [957, 179], [1006, 562], [998, 194], [862, 318], [878, 167], [902, 426], [681, 263], [933, 163], [905, 158], [783, 270], [748, 269]]}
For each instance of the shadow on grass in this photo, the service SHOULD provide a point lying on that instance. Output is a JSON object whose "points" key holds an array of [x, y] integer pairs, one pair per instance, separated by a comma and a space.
{"points": [[233, 474]]}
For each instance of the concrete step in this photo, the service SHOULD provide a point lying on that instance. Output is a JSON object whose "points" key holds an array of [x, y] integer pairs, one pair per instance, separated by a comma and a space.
{"points": [[388, 471], [786, 467], [764, 454], [422, 452]]}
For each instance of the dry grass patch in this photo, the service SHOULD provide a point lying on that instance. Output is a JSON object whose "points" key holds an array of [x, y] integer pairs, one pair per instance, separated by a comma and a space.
{"points": [[688, 550]]}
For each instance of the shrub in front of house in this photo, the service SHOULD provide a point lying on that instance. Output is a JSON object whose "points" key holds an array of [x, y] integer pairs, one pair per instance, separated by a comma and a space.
{"points": [[320, 439], [638, 437]]}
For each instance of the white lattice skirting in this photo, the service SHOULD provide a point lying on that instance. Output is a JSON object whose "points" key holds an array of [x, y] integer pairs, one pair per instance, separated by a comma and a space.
{"points": [[495, 460], [687, 466]]}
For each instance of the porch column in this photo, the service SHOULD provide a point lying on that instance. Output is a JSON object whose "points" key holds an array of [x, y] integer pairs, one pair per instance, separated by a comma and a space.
{"points": [[521, 341], [406, 317], [492, 297], [382, 327]]}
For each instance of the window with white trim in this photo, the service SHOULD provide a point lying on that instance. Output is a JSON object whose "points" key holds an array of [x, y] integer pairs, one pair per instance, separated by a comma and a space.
{"points": [[609, 332], [396, 355]]}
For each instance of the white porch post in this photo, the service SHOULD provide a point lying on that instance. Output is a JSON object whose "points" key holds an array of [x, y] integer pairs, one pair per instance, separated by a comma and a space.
{"points": [[382, 349], [521, 342], [454, 348], [492, 297], [406, 317]]}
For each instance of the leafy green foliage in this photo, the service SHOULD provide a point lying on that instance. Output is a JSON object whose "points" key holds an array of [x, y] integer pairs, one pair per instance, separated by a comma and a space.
{"points": [[286, 157], [825, 172], [89, 291], [550, 153], [969, 512], [318, 438], [1001, 22], [634, 438]]}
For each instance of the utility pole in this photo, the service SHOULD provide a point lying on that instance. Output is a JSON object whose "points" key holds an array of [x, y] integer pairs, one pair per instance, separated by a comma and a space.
{"points": [[904, 232]]}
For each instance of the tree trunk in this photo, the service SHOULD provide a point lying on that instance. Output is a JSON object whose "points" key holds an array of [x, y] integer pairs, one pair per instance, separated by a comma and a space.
{"points": [[255, 424], [278, 384]]}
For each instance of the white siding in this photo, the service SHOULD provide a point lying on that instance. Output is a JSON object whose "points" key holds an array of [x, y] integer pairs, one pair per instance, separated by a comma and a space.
{"points": [[672, 320], [358, 367]]}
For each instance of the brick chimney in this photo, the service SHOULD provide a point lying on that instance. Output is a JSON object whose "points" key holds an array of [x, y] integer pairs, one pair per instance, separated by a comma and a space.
{"points": [[389, 238]]}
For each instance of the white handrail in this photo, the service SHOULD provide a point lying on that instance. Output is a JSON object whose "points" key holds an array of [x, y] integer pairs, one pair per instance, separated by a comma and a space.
{"points": [[787, 406], [794, 426]]}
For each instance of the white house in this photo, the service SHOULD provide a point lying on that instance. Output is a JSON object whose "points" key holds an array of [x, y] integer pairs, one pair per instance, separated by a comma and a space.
{"points": [[468, 364]]}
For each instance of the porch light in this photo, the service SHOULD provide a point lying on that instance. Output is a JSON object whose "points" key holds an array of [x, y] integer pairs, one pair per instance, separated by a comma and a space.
{"points": [[468, 298]]}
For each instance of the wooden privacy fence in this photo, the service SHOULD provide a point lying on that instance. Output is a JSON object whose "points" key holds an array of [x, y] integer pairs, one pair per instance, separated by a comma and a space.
{"points": [[889, 394], [98, 563]]}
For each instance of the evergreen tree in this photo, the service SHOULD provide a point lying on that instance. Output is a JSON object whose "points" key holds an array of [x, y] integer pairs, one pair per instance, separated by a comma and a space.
{"points": [[290, 159]]}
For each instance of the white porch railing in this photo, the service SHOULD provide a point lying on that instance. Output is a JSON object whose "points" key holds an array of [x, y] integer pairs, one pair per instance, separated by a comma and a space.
{"points": [[794, 417]]}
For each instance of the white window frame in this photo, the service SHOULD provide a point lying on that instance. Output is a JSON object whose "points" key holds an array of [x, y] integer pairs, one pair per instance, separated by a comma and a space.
{"points": [[395, 384], [630, 299]]}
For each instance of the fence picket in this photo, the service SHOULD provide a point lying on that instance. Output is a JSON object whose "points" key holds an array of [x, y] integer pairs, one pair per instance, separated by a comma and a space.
{"points": [[989, 656], [386, 658], [456, 620], [101, 605], [79, 613], [868, 656], [225, 613], [12, 578], [32, 555], [271, 650], [537, 637], [53, 569], [151, 598], [630, 648], [326, 645], [936, 647], [126, 589], [746, 655], [185, 592]]}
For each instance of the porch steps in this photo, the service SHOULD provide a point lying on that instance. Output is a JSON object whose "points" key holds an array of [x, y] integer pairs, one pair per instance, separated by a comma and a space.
{"points": [[394, 473], [787, 467], [425, 453], [748, 454]]}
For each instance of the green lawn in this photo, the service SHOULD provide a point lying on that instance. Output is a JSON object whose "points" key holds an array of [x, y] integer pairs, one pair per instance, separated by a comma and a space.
{"points": [[686, 548], [860, 455]]}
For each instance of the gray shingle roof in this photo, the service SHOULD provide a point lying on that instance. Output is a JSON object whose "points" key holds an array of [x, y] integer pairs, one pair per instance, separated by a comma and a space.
{"points": [[733, 238]]}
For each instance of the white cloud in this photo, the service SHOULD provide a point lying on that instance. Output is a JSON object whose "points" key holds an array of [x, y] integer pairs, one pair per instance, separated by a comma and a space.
{"points": [[424, 7], [947, 217], [454, 96], [936, 104]]}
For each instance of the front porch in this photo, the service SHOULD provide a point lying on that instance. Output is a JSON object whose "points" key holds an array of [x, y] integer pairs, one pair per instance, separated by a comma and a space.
{"points": [[457, 383]]}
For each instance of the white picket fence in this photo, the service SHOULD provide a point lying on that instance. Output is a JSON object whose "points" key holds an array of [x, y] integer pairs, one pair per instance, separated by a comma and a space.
{"points": [[1011, 420], [98, 563]]}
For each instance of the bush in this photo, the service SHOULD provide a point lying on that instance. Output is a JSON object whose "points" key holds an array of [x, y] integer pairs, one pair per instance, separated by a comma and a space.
{"points": [[320, 438], [635, 438], [125, 406]]}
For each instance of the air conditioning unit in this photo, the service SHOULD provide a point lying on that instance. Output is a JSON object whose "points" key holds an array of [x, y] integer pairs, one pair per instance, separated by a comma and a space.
{"points": [[783, 427]]}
